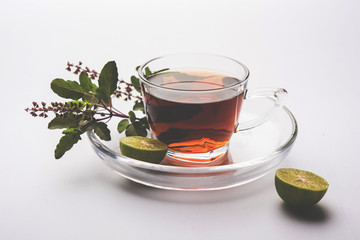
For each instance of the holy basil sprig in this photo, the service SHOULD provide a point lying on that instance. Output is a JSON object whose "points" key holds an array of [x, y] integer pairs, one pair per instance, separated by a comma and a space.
{"points": [[90, 105]]}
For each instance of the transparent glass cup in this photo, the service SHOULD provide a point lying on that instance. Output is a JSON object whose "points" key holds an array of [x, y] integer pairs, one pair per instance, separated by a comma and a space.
{"points": [[193, 103]]}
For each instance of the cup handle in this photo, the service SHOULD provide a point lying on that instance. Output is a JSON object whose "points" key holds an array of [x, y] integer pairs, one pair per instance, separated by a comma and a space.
{"points": [[277, 94]]}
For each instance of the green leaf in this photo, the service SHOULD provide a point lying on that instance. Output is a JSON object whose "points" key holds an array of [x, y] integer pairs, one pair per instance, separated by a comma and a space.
{"points": [[122, 125], [88, 125], [102, 131], [139, 106], [89, 87], [136, 129], [108, 81], [136, 83], [93, 99], [132, 116], [67, 89], [147, 72], [70, 121], [71, 136], [85, 81], [72, 131], [145, 122]]}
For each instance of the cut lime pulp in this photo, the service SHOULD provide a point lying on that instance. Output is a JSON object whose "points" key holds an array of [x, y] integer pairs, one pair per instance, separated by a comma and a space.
{"points": [[300, 188], [142, 148]]}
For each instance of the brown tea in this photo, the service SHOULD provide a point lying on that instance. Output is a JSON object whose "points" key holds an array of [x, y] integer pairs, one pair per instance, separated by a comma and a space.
{"points": [[194, 114]]}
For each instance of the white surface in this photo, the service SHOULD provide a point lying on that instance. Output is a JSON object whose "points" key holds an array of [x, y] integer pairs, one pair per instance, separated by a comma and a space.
{"points": [[310, 48]]}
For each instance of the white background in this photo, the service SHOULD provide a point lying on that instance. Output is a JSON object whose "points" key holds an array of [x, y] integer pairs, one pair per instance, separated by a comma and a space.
{"points": [[311, 48]]}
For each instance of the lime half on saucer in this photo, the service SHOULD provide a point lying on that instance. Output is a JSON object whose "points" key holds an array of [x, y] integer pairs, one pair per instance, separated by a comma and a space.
{"points": [[300, 188], [142, 148]]}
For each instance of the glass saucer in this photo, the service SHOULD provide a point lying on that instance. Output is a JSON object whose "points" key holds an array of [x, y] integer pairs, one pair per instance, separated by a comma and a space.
{"points": [[252, 154]]}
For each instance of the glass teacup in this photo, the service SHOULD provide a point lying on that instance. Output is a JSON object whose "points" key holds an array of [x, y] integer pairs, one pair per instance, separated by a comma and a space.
{"points": [[193, 103]]}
